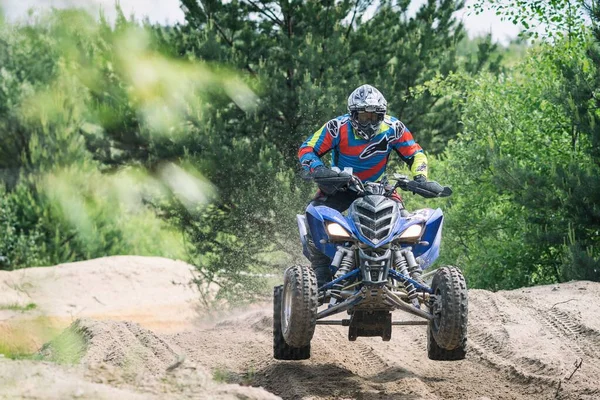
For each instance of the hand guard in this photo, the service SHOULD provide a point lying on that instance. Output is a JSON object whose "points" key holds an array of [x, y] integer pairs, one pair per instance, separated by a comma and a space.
{"points": [[330, 181], [428, 189]]}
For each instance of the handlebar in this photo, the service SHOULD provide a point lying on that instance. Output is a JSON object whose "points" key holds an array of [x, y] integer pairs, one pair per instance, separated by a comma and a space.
{"points": [[356, 184], [428, 189], [331, 181]]}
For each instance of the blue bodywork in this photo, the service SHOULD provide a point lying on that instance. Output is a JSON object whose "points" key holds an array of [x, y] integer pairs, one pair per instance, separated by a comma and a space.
{"points": [[316, 217]]}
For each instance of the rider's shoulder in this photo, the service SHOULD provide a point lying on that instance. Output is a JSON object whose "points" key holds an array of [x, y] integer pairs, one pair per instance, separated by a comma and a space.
{"points": [[342, 119], [396, 126], [334, 125]]}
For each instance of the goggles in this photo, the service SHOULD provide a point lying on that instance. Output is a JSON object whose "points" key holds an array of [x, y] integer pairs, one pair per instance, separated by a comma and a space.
{"points": [[366, 117]]}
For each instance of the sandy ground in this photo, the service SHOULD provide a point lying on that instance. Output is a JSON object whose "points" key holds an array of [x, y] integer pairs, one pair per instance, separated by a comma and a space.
{"points": [[523, 344], [152, 291]]}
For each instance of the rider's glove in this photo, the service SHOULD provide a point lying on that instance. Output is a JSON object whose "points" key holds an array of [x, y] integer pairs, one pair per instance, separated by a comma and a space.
{"points": [[420, 178], [321, 171]]}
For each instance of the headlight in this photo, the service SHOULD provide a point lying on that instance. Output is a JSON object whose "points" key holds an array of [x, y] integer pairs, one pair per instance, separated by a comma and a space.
{"points": [[412, 233], [335, 229]]}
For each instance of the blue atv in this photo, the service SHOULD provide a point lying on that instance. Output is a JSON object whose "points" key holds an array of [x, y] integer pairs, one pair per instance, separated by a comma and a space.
{"points": [[379, 254]]}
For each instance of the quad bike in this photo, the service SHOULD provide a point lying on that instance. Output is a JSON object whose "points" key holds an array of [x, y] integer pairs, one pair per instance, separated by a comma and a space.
{"points": [[379, 251]]}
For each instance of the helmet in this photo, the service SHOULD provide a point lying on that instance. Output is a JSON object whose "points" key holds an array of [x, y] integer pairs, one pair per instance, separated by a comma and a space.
{"points": [[367, 108]]}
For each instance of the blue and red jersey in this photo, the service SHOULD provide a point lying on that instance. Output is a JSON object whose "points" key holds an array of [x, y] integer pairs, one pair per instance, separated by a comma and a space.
{"points": [[367, 158]]}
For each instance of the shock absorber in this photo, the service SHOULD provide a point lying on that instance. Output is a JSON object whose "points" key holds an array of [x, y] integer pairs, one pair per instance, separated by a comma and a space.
{"points": [[413, 266], [343, 261], [402, 266], [346, 265], [344, 258]]}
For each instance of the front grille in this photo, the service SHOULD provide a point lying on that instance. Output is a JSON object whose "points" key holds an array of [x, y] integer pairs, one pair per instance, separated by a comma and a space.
{"points": [[374, 216], [374, 225], [370, 214]]}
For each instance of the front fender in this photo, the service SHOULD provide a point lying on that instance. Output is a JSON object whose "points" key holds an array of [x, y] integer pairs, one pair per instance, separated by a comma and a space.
{"points": [[316, 216], [433, 236], [303, 230]]}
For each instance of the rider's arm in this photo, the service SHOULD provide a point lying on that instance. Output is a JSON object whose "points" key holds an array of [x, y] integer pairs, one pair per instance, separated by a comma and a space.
{"points": [[410, 152], [316, 146]]}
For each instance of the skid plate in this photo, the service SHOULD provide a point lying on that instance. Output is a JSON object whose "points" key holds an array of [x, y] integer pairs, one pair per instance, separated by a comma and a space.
{"points": [[370, 323]]}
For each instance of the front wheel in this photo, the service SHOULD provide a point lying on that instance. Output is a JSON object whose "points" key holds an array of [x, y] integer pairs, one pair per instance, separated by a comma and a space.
{"points": [[447, 333], [437, 353], [299, 306], [282, 350]]}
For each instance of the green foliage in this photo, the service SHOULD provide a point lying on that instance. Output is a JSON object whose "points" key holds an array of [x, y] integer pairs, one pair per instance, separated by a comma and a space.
{"points": [[18, 307], [307, 57], [150, 140], [68, 84], [67, 348], [303, 59], [527, 172], [23, 236], [16, 352], [548, 19]]}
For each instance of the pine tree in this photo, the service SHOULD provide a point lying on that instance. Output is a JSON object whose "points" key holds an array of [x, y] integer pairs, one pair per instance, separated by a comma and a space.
{"points": [[303, 58], [309, 55]]}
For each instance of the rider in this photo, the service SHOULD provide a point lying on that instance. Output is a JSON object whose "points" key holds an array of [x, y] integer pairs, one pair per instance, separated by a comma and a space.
{"points": [[362, 140]]}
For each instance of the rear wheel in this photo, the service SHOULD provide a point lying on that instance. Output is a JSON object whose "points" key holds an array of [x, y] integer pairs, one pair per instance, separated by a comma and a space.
{"points": [[447, 332], [299, 306], [282, 350]]}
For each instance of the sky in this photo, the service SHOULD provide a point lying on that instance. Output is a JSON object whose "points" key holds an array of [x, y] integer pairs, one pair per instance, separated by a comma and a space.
{"points": [[168, 11]]}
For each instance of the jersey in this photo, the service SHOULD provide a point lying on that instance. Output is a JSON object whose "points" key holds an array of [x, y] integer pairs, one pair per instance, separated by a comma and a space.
{"points": [[367, 158]]}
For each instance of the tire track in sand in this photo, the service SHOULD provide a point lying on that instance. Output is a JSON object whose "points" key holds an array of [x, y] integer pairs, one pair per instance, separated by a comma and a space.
{"points": [[490, 340], [510, 355], [581, 339]]}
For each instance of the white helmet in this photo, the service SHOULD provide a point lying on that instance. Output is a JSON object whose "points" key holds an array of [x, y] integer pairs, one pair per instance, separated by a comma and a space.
{"points": [[367, 108]]}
